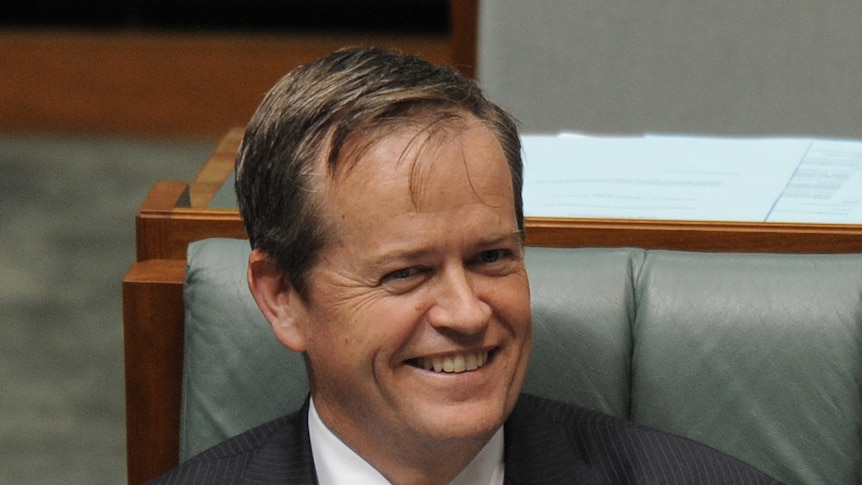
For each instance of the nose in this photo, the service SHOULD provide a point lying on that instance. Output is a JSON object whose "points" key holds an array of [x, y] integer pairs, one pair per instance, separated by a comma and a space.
{"points": [[457, 305]]}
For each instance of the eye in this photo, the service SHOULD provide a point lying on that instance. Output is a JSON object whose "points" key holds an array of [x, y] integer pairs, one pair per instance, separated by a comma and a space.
{"points": [[401, 274], [404, 280], [491, 256], [496, 262]]}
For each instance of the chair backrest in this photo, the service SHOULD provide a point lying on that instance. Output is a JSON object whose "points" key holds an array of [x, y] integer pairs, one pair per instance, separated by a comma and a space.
{"points": [[759, 355], [731, 67]]}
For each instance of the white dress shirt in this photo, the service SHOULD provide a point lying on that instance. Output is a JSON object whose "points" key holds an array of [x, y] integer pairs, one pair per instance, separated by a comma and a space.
{"points": [[337, 464]]}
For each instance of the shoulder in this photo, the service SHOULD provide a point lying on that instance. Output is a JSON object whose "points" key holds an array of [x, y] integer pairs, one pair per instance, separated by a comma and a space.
{"points": [[617, 450], [280, 446]]}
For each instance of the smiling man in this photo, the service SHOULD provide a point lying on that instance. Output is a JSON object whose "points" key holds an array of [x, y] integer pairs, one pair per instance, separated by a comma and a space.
{"points": [[417, 320], [382, 199]]}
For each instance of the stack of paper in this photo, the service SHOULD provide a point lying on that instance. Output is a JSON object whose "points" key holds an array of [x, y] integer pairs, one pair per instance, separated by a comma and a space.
{"points": [[694, 178]]}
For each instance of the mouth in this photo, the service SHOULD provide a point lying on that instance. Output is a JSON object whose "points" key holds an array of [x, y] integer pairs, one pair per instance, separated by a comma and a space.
{"points": [[452, 364]]}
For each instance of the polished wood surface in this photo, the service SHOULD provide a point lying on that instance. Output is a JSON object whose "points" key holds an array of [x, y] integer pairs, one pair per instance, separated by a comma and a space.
{"points": [[158, 84], [151, 83], [216, 170], [153, 316], [464, 18], [695, 235], [165, 234]]}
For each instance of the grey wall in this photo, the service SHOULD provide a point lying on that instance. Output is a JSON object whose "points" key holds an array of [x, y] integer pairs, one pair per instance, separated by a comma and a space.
{"points": [[748, 67]]}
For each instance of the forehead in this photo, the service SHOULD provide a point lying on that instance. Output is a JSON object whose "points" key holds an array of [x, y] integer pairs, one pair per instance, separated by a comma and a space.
{"points": [[415, 174], [421, 149]]}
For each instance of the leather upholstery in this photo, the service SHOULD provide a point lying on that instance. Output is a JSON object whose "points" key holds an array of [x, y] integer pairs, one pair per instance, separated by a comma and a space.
{"points": [[758, 355]]}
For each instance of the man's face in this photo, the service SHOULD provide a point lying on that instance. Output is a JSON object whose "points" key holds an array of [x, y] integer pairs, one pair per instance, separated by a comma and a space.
{"points": [[417, 326]]}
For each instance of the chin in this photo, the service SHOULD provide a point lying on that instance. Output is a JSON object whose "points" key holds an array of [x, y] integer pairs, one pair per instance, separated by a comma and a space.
{"points": [[466, 421]]}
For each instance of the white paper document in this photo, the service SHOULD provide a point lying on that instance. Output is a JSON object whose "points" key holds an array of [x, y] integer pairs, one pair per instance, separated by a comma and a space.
{"points": [[826, 188], [693, 178]]}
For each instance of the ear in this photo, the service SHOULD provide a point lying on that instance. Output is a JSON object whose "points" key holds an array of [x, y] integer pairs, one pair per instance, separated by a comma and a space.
{"points": [[279, 302]]}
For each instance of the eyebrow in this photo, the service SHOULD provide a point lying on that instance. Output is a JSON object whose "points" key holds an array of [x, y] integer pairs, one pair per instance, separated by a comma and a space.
{"points": [[398, 255], [516, 237]]}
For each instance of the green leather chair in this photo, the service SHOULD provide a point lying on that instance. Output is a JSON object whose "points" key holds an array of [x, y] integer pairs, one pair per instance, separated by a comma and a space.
{"points": [[758, 355]]}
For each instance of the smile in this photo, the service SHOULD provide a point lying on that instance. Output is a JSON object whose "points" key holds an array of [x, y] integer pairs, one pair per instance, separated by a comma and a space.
{"points": [[453, 364]]}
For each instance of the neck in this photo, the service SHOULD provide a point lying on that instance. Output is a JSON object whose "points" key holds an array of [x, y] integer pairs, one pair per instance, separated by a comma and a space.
{"points": [[418, 460]]}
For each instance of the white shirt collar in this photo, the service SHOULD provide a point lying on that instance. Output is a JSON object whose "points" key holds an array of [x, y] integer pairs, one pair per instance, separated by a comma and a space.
{"points": [[336, 463]]}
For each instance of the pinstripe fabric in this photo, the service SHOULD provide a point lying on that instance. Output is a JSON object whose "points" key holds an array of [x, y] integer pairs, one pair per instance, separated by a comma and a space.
{"points": [[275, 452], [547, 442]]}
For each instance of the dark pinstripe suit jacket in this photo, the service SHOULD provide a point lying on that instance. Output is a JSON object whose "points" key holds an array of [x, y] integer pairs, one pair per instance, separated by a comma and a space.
{"points": [[547, 442]]}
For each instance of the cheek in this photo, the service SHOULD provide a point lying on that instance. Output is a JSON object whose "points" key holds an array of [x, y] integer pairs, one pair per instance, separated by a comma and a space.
{"points": [[376, 329], [391, 322], [512, 303]]}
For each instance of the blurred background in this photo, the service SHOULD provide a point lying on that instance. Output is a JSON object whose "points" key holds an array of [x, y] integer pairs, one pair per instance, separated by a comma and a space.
{"points": [[98, 101]]}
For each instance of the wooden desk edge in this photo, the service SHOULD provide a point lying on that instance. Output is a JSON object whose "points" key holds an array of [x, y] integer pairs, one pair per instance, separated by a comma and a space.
{"points": [[695, 235], [216, 170], [164, 231]]}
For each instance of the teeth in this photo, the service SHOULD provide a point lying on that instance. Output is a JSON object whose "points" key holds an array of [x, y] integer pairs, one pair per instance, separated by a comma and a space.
{"points": [[454, 364]]}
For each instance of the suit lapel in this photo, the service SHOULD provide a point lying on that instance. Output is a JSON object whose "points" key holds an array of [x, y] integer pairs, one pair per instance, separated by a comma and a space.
{"points": [[540, 451], [286, 457]]}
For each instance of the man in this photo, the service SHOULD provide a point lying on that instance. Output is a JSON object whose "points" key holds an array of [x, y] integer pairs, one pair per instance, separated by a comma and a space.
{"points": [[382, 198]]}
